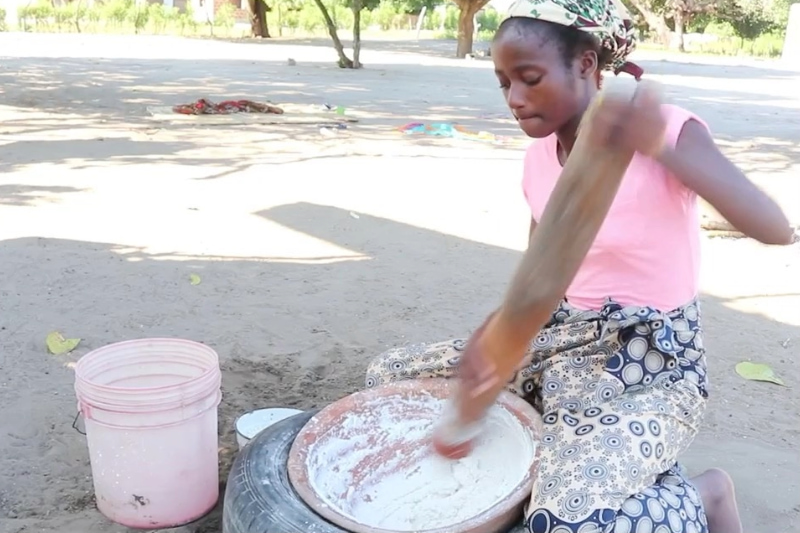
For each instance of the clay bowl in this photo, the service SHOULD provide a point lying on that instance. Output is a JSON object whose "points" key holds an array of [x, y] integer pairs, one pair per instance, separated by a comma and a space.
{"points": [[351, 467]]}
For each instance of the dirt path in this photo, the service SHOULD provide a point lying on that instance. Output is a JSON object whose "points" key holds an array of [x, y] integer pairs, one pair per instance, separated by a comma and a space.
{"points": [[318, 252]]}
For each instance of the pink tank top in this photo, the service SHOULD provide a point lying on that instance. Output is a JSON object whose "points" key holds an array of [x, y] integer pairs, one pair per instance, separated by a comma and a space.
{"points": [[647, 252]]}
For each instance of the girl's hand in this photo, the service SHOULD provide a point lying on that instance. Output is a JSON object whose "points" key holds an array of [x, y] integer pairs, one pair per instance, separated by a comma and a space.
{"points": [[636, 123], [460, 423]]}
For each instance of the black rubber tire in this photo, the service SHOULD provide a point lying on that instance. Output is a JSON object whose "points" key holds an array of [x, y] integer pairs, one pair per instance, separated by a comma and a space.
{"points": [[259, 497]]}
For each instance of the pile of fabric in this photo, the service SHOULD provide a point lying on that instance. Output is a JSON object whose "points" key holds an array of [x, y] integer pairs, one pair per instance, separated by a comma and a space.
{"points": [[207, 107]]}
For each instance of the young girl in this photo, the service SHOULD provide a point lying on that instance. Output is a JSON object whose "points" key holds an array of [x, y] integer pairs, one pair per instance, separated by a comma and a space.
{"points": [[619, 372]]}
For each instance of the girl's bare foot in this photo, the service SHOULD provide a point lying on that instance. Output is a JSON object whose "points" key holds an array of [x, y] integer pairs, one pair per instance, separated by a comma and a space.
{"points": [[719, 500]]}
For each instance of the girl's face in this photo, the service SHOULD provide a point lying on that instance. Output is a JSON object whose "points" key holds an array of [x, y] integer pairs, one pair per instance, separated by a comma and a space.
{"points": [[543, 93]]}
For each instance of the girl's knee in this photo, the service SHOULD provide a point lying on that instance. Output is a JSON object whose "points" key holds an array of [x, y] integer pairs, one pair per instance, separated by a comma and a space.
{"points": [[715, 486], [415, 361], [386, 367]]}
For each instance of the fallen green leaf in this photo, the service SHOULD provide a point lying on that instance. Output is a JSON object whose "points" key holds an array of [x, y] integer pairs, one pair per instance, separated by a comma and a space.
{"points": [[194, 279], [58, 345], [758, 372]]}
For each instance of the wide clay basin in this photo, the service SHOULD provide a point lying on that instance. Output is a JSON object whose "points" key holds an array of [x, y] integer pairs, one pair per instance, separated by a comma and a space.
{"points": [[342, 449]]}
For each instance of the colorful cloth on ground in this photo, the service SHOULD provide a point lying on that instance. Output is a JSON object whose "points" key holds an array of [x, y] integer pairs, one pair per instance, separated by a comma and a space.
{"points": [[622, 392], [608, 20], [207, 107]]}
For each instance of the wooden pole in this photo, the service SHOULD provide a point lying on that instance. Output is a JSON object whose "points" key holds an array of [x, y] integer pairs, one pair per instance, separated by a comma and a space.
{"points": [[570, 222]]}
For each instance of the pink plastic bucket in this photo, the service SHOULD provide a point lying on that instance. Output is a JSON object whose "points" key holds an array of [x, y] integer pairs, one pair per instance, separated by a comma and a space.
{"points": [[150, 410]]}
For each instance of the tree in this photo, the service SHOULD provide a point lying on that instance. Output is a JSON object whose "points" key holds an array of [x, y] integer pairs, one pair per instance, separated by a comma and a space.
{"points": [[258, 18], [683, 11], [654, 18], [357, 6], [751, 18], [656, 13], [414, 7], [466, 24]]}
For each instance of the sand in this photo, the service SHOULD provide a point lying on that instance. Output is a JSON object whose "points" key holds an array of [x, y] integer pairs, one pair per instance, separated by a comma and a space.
{"points": [[415, 489], [316, 252]]}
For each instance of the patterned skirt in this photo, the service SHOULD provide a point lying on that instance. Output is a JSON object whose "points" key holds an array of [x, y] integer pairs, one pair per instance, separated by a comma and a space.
{"points": [[622, 392]]}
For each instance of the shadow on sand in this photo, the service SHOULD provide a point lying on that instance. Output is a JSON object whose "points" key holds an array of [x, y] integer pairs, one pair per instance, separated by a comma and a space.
{"points": [[103, 93], [250, 310]]}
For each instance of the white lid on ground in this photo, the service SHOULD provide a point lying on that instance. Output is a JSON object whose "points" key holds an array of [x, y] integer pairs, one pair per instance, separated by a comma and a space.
{"points": [[251, 424]]}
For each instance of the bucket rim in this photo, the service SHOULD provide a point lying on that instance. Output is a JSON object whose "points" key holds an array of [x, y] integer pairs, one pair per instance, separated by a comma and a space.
{"points": [[84, 361], [216, 405], [128, 401]]}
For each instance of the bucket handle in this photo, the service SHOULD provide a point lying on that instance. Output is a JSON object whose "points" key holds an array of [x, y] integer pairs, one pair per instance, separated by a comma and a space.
{"points": [[75, 425]]}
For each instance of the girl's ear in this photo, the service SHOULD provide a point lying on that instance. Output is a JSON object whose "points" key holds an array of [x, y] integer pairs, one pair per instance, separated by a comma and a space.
{"points": [[588, 64]]}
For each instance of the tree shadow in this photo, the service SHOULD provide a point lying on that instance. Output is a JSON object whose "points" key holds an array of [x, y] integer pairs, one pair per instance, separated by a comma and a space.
{"points": [[28, 195], [298, 331], [85, 153], [397, 88], [760, 135]]}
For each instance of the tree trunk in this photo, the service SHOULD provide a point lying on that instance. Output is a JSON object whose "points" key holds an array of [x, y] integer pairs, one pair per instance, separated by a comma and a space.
{"points": [[258, 19], [77, 17], [680, 24], [357, 6], [344, 61], [466, 25], [656, 21]]}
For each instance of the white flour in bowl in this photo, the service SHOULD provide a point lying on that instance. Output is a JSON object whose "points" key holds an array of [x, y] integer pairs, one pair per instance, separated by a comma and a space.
{"points": [[378, 467]]}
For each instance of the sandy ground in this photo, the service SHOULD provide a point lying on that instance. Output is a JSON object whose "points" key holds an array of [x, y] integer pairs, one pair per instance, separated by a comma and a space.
{"points": [[318, 252]]}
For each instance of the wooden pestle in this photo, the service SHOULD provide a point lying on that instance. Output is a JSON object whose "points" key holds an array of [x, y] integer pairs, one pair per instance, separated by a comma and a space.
{"points": [[571, 220]]}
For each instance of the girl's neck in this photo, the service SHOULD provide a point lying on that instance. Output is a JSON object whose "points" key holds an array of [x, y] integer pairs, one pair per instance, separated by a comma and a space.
{"points": [[566, 136], [568, 133]]}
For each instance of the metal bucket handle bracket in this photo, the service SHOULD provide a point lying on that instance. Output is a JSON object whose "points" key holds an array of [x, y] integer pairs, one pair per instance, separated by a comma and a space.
{"points": [[76, 425]]}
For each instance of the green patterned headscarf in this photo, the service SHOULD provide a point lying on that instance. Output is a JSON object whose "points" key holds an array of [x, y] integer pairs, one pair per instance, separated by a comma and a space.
{"points": [[608, 20]]}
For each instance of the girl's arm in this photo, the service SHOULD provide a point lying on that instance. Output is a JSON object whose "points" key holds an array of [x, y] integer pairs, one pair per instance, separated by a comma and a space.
{"points": [[563, 236], [530, 231], [697, 162]]}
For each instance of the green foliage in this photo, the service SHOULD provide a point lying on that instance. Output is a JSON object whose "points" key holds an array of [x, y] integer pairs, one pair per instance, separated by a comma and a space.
{"points": [[62, 16], [117, 11], [138, 16], [721, 29], [342, 16], [451, 19], [3, 15], [752, 18], [225, 16], [310, 18], [488, 22], [386, 16], [699, 22], [489, 19], [766, 45], [118, 16], [366, 5], [39, 14], [433, 20], [741, 27], [187, 22], [414, 7], [161, 17], [486, 35]]}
